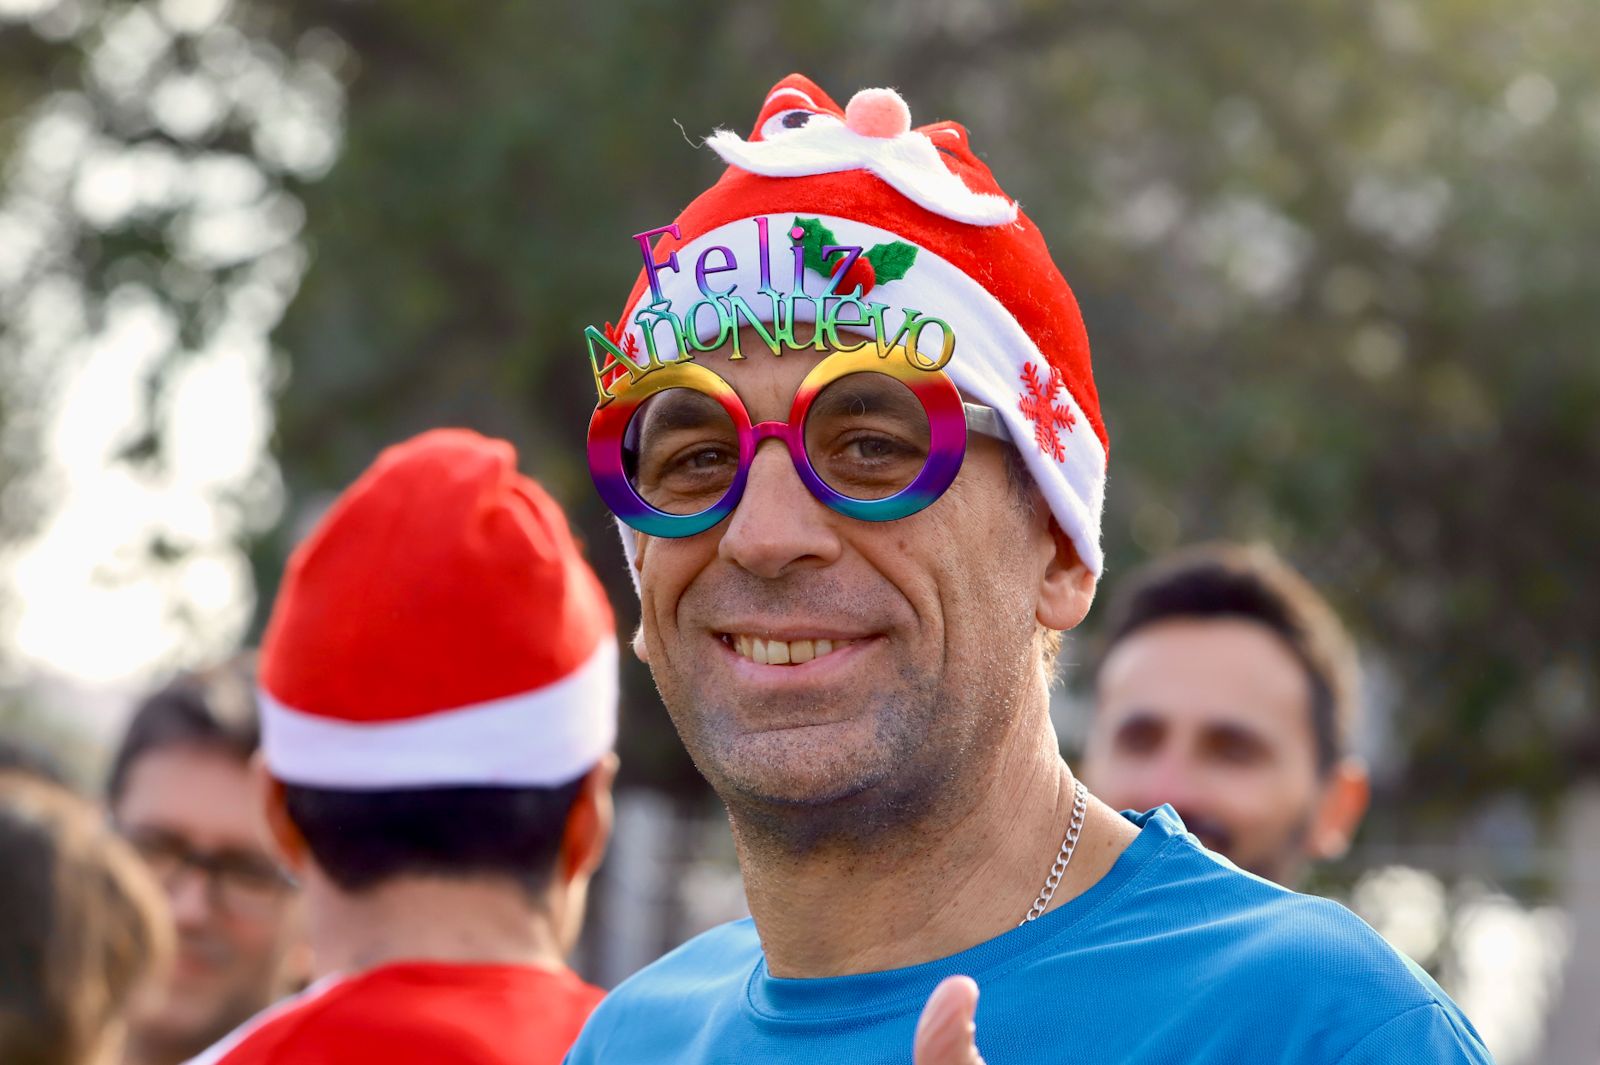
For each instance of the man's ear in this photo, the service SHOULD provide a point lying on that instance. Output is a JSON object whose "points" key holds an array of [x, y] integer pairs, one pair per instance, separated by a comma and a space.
{"points": [[283, 838], [1067, 587], [1344, 801], [589, 823]]}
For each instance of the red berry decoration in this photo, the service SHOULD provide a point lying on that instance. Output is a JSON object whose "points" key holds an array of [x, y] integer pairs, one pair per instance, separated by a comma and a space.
{"points": [[860, 274], [879, 263]]}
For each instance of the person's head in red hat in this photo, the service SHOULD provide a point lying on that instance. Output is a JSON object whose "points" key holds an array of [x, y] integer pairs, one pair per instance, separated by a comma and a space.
{"points": [[847, 683], [438, 697]]}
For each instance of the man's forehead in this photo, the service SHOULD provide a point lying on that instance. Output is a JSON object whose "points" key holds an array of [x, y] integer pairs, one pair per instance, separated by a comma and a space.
{"points": [[199, 791], [756, 361], [759, 370], [1207, 672], [765, 382]]}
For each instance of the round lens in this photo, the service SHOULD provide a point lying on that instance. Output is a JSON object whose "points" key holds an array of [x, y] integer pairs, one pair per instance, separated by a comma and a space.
{"points": [[867, 435], [164, 856], [250, 888], [680, 451]]}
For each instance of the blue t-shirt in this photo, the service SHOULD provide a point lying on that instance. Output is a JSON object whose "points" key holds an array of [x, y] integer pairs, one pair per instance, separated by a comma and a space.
{"points": [[1175, 956]]}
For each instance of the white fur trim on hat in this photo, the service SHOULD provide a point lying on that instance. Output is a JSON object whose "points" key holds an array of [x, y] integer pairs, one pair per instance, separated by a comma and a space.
{"points": [[536, 739]]}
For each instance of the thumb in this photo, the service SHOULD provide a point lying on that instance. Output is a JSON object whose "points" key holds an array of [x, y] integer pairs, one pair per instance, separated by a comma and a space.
{"points": [[946, 1032]]}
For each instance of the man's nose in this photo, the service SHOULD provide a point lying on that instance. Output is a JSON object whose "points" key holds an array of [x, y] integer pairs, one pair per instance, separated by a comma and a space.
{"points": [[1161, 777], [1173, 778], [189, 895], [778, 523]]}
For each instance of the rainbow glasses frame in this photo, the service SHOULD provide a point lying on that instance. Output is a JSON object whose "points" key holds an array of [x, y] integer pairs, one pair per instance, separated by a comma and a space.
{"points": [[949, 418]]}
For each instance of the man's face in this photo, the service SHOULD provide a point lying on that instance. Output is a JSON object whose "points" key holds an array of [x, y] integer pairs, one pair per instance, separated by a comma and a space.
{"points": [[920, 631], [233, 939], [1214, 717]]}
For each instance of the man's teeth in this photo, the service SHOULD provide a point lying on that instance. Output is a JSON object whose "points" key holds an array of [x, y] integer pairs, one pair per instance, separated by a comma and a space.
{"points": [[784, 652]]}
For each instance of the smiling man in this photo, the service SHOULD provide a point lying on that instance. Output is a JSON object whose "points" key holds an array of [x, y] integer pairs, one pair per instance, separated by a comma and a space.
{"points": [[849, 420], [1227, 688]]}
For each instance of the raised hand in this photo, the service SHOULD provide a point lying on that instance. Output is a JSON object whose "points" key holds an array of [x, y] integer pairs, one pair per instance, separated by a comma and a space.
{"points": [[946, 1032]]}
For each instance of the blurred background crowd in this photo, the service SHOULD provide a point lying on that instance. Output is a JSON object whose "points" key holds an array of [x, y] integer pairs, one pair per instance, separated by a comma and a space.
{"points": [[1339, 261]]}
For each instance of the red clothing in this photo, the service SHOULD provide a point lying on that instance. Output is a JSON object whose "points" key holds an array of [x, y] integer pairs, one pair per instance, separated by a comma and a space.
{"points": [[419, 1013]]}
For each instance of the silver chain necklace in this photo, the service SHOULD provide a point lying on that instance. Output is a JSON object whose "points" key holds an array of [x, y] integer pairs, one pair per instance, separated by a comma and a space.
{"points": [[1080, 805]]}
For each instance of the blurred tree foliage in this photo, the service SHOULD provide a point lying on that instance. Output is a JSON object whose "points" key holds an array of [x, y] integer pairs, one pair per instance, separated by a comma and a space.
{"points": [[1337, 261], [149, 236]]}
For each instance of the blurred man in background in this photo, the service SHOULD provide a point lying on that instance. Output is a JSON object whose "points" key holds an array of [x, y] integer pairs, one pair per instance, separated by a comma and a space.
{"points": [[438, 690], [180, 791], [1227, 689]]}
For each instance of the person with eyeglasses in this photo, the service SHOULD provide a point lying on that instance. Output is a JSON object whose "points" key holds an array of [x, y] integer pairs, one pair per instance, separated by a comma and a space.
{"points": [[849, 425], [180, 792]]}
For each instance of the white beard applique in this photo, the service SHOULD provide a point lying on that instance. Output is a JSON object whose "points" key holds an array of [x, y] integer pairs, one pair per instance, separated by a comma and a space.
{"points": [[821, 144]]}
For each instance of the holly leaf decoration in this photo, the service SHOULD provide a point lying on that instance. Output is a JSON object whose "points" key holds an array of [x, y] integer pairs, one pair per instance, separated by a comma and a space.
{"points": [[890, 262], [816, 237]]}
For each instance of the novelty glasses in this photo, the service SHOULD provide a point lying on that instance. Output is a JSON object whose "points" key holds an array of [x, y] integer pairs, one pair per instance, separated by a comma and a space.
{"points": [[871, 437]]}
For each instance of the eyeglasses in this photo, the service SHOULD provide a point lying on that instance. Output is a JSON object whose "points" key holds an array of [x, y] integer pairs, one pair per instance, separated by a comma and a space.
{"points": [[239, 882], [871, 437]]}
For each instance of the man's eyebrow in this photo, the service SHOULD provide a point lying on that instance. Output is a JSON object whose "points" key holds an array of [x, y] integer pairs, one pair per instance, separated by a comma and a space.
{"points": [[1235, 730], [843, 398], [1141, 719], [148, 831], [243, 855], [682, 412]]}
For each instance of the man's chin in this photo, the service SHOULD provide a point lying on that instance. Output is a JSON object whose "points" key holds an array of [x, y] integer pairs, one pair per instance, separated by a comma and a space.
{"points": [[814, 784], [801, 764], [177, 1040], [189, 1019], [826, 799]]}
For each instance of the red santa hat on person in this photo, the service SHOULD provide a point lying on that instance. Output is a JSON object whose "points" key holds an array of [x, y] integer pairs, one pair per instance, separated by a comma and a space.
{"points": [[439, 628], [940, 236]]}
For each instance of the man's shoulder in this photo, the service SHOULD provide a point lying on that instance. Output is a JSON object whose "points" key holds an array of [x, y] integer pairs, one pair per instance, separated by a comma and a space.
{"points": [[416, 1013], [1261, 954], [264, 1036], [713, 963], [1315, 972], [1318, 943], [1243, 928], [708, 971]]}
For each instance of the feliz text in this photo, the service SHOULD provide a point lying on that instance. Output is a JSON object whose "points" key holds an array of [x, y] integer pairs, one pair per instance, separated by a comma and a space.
{"points": [[770, 313]]}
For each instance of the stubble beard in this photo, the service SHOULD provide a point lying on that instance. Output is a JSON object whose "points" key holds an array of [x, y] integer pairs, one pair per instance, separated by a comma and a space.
{"points": [[934, 741], [790, 796], [1284, 862], [937, 725], [150, 1042]]}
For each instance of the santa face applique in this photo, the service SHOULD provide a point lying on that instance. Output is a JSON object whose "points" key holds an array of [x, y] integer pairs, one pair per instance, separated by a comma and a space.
{"points": [[796, 136]]}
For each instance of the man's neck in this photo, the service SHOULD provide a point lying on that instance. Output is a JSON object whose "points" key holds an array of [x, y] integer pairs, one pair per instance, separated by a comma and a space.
{"points": [[938, 888], [484, 922]]}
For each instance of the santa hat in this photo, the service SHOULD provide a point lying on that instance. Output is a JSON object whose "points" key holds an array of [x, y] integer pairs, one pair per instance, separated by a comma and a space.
{"points": [[941, 236], [439, 628]]}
